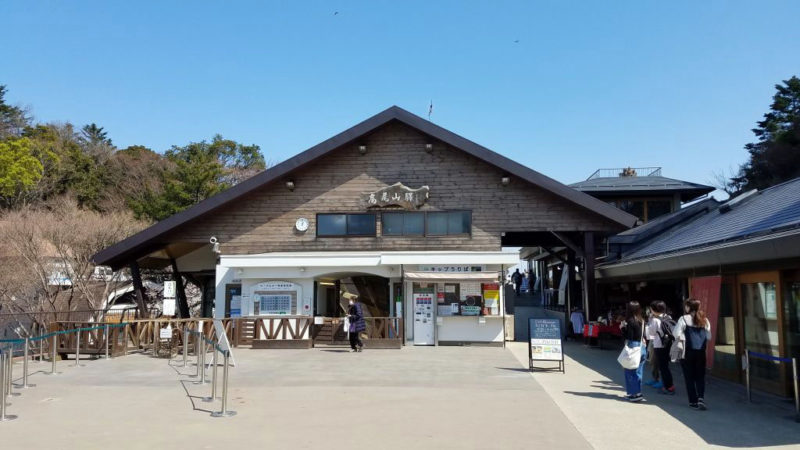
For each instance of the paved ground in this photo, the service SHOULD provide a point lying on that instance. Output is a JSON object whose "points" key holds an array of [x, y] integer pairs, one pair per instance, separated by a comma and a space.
{"points": [[446, 397], [591, 395], [420, 398]]}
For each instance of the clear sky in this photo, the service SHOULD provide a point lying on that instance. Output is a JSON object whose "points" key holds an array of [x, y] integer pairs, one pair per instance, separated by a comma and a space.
{"points": [[564, 87]]}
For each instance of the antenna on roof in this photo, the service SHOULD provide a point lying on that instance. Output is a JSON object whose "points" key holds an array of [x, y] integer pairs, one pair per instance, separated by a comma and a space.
{"points": [[430, 111]]}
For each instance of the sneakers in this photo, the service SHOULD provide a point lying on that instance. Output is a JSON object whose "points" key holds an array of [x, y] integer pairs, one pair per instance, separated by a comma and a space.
{"points": [[635, 398], [657, 385], [651, 382], [670, 391], [701, 404], [694, 406]]}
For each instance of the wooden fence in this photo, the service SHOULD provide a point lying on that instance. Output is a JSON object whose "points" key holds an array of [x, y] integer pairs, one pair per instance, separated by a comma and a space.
{"points": [[255, 332]]}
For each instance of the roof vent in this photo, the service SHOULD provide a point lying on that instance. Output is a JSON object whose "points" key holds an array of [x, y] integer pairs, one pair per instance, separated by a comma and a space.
{"points": [[727, 206]]}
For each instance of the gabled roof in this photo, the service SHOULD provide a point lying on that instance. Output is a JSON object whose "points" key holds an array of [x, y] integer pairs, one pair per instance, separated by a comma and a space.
{"points": [[133, 246], [641, 185], [708, 225]]}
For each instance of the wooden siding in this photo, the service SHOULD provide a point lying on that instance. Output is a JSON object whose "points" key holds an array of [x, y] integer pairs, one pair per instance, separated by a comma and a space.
{"points": [[263, 221]]}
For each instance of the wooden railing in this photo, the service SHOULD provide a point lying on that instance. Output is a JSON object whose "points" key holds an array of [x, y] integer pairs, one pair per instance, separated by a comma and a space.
{"points": [[256, 332]]}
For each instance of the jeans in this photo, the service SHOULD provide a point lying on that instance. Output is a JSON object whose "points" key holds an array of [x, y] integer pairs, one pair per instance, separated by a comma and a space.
{"points": [[662, 359], [694, 371], [633, 377]]}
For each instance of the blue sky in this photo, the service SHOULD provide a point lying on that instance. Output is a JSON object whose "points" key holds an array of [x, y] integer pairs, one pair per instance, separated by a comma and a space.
{"points": [[587, 85]]}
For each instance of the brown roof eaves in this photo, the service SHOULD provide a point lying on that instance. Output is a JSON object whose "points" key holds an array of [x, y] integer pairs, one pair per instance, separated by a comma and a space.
{"points": [[132, 246]]}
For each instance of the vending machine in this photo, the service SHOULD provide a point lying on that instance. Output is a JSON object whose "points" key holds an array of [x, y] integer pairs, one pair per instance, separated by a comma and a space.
{"points": [[423, 319]]}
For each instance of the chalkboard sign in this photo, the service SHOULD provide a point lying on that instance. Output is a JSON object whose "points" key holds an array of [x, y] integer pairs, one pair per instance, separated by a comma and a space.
{"points": [[544, 342]]}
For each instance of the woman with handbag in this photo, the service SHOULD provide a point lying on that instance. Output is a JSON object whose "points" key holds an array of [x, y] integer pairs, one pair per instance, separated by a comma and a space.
{"points": [[634, 354], [693, 331]]}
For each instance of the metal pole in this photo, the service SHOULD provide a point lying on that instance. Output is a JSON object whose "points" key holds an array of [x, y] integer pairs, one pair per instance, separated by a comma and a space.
{"points": [[25, 384], [125, 339], [3, 375], [155, 338], [224, 412], [796, 392], [747, 374], [108, 338], [202, 362], [53, 355], [78, 349], [185, 343], [213, 379], [10, 373], [41, 350], [197, 354]]}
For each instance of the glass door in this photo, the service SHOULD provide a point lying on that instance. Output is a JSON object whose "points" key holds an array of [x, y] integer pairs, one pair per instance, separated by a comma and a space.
{"points": [[761, 326], [791, 320]]}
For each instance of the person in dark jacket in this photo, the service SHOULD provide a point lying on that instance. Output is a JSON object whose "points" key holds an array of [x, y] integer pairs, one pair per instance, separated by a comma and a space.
{"points": [[355, 313]]}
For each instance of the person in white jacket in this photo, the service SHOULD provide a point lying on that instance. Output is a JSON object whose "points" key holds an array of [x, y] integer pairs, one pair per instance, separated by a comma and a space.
{"points": [[693, 330]]}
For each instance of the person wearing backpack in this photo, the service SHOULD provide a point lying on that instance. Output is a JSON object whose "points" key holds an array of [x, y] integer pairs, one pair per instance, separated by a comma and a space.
{"points": [[659, 330], [693, 330], [633, 333]]}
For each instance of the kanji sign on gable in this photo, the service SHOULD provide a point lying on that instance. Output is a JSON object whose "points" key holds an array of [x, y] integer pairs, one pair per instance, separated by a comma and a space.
{"points": [[397, 194]]}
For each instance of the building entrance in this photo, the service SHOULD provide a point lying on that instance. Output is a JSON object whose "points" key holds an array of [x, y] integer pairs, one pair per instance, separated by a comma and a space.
{"points": [[332, 294]]}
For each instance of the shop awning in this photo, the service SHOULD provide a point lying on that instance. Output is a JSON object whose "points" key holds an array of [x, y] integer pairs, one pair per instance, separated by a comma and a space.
{"points": [[434, 277]]}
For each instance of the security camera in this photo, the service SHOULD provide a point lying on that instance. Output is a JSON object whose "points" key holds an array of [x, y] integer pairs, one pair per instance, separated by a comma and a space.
{"points": [[214, 244]]}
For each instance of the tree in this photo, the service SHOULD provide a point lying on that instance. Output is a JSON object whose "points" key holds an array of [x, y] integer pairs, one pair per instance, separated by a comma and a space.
{"points": [[19, 170], [94, 135], [775, 157], [198, 171], [13, 119]]}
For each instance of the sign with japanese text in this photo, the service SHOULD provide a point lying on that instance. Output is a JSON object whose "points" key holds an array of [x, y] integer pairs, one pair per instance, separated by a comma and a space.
{"points": [[397, 195], [544, 340]]}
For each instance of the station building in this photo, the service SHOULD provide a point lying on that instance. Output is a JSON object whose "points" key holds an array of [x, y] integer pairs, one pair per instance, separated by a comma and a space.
{"points": [[407, 216]]}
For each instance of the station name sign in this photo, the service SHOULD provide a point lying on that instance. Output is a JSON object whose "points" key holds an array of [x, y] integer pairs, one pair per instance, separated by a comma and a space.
{"points": [[397, 195]]}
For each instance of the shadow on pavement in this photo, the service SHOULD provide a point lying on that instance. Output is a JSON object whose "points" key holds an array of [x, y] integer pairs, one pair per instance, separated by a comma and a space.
{"points": [[730, 420]]}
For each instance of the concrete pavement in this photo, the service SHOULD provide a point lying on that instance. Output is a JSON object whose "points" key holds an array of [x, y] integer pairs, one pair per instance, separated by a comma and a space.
{"points": [[591, 395], [437, 398]]}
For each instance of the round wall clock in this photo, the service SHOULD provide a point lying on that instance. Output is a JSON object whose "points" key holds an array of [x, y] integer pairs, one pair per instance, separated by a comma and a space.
{"points": [[301, 224]]}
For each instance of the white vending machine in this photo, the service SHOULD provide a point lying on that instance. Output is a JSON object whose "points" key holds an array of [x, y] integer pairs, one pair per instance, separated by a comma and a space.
{"points": [[423, 319]]}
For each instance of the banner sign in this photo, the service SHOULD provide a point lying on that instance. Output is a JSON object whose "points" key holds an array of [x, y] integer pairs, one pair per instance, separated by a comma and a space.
{"points": [[545, 341], [169, 289], [706, 290]]}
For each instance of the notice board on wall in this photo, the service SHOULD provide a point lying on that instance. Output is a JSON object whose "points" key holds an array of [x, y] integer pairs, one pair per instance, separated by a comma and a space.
{"points": [[545, 342]]}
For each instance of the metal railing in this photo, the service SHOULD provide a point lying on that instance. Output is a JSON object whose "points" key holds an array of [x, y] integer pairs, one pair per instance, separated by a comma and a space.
{"points": [[793, 361], [7, 352], [626, 172], [203, 343]]}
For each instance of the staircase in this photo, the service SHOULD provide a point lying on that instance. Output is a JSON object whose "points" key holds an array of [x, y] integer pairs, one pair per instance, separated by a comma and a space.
{"points": [[329, 334]]}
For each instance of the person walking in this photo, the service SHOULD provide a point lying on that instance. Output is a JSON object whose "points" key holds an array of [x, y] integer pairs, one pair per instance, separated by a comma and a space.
{"points": [[516, 277], [659, 332], [693, 331], [355, 314], [633, 333]]}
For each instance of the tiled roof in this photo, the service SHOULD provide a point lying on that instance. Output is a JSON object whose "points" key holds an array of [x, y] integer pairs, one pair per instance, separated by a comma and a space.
{"points": [[768, 211], [636, 183]]}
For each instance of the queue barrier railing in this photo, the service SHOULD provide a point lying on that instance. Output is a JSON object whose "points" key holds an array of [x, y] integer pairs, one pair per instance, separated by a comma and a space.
{"points": [[203, 344], [7, 359], [793, 361]]}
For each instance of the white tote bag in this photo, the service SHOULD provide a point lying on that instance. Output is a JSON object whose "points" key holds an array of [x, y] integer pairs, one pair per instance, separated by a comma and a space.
{"points": [[630, 357], [346, 325]]}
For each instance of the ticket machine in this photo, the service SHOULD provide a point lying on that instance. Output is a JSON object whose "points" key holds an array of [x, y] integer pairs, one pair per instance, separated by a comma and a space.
{"points": [[423, 319]]}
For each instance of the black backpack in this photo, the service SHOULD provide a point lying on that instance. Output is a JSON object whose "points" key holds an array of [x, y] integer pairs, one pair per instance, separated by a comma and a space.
{"points": [[665, 333]]}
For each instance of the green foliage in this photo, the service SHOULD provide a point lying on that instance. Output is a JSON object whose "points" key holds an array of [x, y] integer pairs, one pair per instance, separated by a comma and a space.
{"points": [[12, 118], [776, 156], [42, 162], [198, 171], [20, 170]]}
